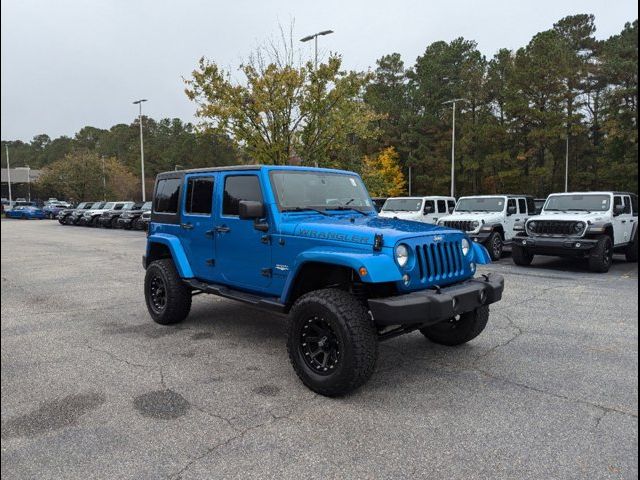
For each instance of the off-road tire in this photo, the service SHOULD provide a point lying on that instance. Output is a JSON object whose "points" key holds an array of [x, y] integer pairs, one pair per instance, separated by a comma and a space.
{"points": [[356, 338], [113, 223], [495, 246], [521, 256], [95, 222], [601, 257], [177, 295], [631, 253], [457, 331], [62, 221]]}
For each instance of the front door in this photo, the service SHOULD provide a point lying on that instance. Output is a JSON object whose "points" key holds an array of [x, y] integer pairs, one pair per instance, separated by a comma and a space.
{"points": [[197, 236], [244, 253]]}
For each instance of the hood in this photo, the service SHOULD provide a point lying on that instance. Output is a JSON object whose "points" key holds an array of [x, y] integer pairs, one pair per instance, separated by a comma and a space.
{"points": [[471, 216], [405, 215], [572, 217], [358, 229]]}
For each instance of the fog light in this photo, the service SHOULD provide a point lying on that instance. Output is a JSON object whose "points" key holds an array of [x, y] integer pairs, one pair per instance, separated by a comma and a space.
{"points": [[578, 244], [406, 279], [524, 242], [475, 240], [483, 296]]}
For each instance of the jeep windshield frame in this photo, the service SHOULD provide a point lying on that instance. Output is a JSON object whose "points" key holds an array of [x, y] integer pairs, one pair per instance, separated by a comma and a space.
{"points": [[583, 202], [481, 204], [319, 191]]}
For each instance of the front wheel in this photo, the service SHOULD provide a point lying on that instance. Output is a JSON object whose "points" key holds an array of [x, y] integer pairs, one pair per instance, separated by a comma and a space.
{"points": [[331, 342], [495, 246], [521, 256], [168, 299], [459, 329], [601, 257]]}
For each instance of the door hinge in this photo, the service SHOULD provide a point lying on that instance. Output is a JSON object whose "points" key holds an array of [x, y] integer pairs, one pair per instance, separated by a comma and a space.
{"points": [[266, 272], [211, 262], [265, 239]]}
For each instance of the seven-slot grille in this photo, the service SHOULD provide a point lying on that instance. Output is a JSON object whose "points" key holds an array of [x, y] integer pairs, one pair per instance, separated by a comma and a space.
{"points": [[464, 225], [554, 227], [439, 261]]}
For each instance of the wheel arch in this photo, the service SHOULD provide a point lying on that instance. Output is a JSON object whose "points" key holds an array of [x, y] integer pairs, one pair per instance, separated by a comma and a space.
{"points": [[168, 246]]}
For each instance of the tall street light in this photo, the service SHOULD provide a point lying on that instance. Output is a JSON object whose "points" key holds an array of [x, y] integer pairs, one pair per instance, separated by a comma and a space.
{"points": [[139, 103], [8, 173], [453, 143], [315, 37]]}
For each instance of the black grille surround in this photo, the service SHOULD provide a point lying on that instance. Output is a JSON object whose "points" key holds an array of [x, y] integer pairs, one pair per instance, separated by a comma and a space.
{"points": [[437, 261], [464, 225], [556, 228]]}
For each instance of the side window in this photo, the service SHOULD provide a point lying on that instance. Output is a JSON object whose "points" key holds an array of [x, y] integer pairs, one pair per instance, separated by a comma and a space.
{"points": [[617, 201], [241, 187], [442, 206], [511, 204], [166, 200], [199, 196], [429, 207], [451, 205], [634, 205], [627, 205], [522, 203]]}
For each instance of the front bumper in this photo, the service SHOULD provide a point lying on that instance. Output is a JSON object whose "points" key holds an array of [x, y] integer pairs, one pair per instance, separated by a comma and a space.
{"points": [[556, 246], [480, 237], [124, 222], [427, 307]]}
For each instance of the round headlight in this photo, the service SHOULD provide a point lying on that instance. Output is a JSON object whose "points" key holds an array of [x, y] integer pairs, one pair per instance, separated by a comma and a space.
{"points": [[532, 226], [475, 224], [578, 227], [402, 254], [465, 246]]}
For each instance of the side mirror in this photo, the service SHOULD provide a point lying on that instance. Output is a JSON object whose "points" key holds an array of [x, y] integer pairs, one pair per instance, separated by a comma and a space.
{"points": [[512, 210], [250, 210], [618, 210]]}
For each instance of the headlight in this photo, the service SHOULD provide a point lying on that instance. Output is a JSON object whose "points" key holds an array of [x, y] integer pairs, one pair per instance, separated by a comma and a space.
{"points": [[475, 224], [532, 226], [465, 246], [402, 254], [578, 227]]}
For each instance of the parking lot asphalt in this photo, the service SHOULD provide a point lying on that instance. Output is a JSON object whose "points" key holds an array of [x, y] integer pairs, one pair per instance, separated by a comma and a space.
{"points": [[92, 388]]}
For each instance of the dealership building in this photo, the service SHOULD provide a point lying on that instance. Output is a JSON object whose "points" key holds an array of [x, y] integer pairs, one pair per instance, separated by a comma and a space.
{"points": [[22, 179]]}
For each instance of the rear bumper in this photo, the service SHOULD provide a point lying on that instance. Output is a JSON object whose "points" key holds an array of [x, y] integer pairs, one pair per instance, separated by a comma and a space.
{"points": [[556, 246], [427, 307]]}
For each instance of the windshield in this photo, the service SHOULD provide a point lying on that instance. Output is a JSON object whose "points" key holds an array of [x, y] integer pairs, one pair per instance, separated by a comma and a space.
{"points": [[146, 206], [580, 203], [105, 206], [402, 205], [298, 190], [480, 204]]}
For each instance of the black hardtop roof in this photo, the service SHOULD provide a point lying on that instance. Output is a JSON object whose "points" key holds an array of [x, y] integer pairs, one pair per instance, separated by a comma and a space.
{"points": [[180, 173]]}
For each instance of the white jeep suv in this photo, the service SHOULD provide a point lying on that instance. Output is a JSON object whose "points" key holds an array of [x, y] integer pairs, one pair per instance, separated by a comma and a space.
{"points": [[490, 219], [418, 209], [590, 225]]}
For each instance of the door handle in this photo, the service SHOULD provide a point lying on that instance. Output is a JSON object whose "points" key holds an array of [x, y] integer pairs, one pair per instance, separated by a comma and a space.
{"points": [[187, 226], [222, 229], [624, 221]]}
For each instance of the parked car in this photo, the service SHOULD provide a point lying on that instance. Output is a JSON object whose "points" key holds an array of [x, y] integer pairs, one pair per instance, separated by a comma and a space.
{"points": [[129, 219], [591, 225], [21, 202], [63, 216], [418, 209], [142, 222], [539, 203], [26, 212], [307, 242], [52, 210], [76, 214], [109, 218], [378, 202], [90, 217], [490, 219]]}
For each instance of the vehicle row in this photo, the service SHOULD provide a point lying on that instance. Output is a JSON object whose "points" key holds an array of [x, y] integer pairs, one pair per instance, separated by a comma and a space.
{"points": [[591, 225], [125, 214]]}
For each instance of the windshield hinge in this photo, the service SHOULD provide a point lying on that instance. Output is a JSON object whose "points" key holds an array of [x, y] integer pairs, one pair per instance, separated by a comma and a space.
{"points": [[378, 241]]}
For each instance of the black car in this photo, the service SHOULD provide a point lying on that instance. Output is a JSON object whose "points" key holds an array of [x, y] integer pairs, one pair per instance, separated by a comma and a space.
{"points": [[109, 218], [130, 218], [142, 223], [66, 217]]}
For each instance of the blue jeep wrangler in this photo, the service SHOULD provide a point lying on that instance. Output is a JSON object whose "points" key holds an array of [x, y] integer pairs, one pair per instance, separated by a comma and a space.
{"points": [[307, 242]]}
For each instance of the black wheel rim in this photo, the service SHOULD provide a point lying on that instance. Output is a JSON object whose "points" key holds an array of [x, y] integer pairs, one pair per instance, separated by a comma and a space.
{"points": [[608, 254], [157, 294], [497, 247], [319, 346]]}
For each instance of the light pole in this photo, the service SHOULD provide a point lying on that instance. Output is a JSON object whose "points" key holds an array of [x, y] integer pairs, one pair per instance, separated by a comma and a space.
{"points": [[104, 182], [315, 38], [28, 183], [453, 143], [566, 167], [8, 173], [139, 103]]}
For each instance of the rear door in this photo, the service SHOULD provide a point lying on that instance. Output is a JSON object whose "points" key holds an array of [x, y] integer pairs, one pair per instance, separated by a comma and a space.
{"points": [[197, 236], [510, 220], [622, 221]]}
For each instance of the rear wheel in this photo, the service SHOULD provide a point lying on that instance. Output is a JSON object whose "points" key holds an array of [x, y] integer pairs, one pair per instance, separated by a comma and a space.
{"points": [[331, 342], [495, 246], [168, 299], [601, 257], [459, 329], [521, 256]]}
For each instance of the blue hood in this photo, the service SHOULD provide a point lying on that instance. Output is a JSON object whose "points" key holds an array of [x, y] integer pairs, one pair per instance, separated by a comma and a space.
{"points": [[357, 228]]}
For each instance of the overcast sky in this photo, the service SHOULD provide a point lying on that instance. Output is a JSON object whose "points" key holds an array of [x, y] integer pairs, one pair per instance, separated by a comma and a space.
{"points": [[71, 63]]}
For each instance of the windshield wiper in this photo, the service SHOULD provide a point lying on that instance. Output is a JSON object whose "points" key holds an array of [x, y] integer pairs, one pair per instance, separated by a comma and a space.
{"points": [[305, 209], [343, 208]]}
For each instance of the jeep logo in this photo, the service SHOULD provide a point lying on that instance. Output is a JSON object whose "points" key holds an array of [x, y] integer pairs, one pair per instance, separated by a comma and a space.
{"points": [[437, 238]]}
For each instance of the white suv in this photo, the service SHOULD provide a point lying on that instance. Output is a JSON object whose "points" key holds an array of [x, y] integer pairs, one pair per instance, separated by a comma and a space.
{"points": [[591, 225], [490, 219], [418, 209]]}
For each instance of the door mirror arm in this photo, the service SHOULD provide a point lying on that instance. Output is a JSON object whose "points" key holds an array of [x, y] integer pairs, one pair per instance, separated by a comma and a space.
{"points": [[261, 224]]}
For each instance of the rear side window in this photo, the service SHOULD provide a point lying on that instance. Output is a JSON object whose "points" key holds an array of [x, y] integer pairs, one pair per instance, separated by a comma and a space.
{"points": [[522, 203], [627, 205], [199, 195], [634, 205], [237, 188], [166, 200], [442, 206], [511, 203]]}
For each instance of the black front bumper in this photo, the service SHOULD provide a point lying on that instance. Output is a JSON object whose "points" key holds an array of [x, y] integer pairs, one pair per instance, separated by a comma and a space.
{"points": [[556, 246], [427, 307]]}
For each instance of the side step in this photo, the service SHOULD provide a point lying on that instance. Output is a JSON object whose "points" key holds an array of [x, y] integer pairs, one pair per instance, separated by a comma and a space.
{"points": [[272, 304]]}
